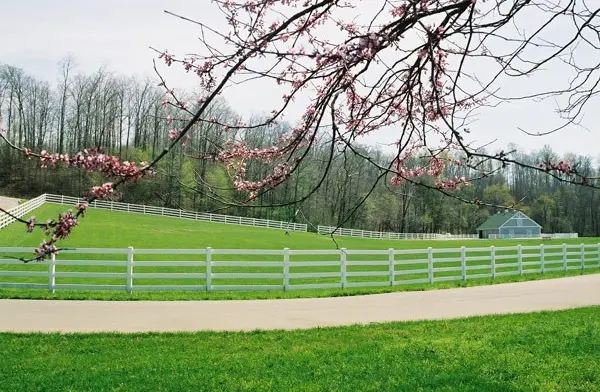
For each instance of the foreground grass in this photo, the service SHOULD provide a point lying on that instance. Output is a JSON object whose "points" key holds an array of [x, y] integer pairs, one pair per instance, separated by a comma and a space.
{"points": [[550, 351], [253, 295]]}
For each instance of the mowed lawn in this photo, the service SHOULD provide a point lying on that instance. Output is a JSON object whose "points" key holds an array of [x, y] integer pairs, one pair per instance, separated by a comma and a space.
{"points": [[111, 229], [551, 351], [107, 229]]}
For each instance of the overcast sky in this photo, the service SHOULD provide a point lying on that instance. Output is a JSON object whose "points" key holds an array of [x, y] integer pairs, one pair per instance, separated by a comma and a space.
{"points": [[117, 33]]}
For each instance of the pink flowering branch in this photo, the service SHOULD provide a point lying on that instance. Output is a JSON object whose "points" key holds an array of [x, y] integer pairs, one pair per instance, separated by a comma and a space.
{"points": [[331, 72], [55, 229], [91, 161]]}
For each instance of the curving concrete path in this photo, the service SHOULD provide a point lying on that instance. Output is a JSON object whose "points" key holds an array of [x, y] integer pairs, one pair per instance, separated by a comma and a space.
{"points": [[145, 316]]}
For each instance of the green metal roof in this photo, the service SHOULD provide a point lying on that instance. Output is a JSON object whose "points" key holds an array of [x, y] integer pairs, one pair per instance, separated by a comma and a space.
{"points": [[496, 220]]}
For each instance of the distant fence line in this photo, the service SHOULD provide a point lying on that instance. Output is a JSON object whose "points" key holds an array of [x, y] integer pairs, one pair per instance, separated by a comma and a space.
{"points": [[563, 235], [542, 236], [392, 236], [21, 210], [149, 210], [430, 236], [288, 269]]}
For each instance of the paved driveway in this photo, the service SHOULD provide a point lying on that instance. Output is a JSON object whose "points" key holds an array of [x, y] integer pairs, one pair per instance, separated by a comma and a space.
{"points": [[145, 316], [8, 202]]}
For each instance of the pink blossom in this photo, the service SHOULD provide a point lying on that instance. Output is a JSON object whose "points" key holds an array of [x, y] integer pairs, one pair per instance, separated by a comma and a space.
{"points": [[561, 167], [167, 58], [102, 191], [30, 224], [436, 167], [173, 134], [46, 249], [65, 224], [454, 184]]}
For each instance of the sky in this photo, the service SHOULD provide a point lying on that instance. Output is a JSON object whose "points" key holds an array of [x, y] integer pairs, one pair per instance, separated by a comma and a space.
{"points": [[37, 34]]}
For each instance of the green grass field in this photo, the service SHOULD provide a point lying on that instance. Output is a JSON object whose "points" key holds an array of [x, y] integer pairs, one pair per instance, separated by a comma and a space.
{"points": [[550, 351], [105, 229], [111, 229]]}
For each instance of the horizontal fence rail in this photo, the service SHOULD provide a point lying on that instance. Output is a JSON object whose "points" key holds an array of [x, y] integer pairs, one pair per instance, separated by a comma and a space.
{"points": [[392, 236], [169, 212], [132, 270], [533, 236], [21, 210], [563, 235]]}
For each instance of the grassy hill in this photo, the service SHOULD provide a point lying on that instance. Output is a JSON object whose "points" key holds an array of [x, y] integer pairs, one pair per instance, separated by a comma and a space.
{"points": [[110, 229]]}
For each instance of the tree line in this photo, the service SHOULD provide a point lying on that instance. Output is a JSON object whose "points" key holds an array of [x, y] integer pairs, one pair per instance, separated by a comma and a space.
{"points": [[126, 116]]}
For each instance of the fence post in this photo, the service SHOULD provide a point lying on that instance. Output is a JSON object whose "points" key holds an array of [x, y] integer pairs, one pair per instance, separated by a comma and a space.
{"points": [[564, 255], [343, 266], [493, 260], [582, 249], [392, 269], [52, 273], [144, 209], [520, 259], [129, 269], [542, 261], [209, 269], [430, 264], [62, 199], [127, 207], [463, 262], [286, 268]]}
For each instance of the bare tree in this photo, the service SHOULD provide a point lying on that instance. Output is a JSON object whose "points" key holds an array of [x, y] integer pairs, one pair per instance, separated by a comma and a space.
{"points": [[66, 66]]}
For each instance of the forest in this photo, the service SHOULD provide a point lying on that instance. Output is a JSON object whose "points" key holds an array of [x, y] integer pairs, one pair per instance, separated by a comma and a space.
{"points": [[126, 116]]}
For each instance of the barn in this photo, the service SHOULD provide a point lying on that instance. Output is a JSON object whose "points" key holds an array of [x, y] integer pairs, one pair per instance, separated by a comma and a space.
{"points": [[509, 224]]}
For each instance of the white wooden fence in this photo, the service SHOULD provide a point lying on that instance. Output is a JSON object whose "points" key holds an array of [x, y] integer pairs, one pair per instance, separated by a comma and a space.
{"points": [[534, 236], [21, 210], [161, 211], [564, 235], [392, 236], [288, 269]]}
